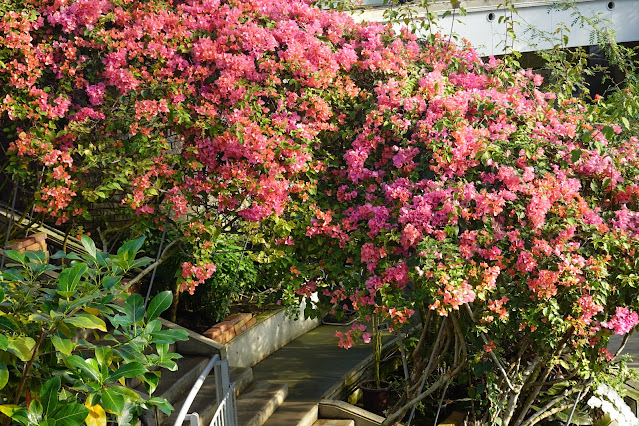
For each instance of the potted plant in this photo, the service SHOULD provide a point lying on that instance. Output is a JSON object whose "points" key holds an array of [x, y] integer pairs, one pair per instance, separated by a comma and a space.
{"points": [[375, 392]]}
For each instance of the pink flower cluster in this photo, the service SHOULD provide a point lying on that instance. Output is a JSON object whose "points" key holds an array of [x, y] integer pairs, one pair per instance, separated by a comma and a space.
{"points": [[623, 321]]}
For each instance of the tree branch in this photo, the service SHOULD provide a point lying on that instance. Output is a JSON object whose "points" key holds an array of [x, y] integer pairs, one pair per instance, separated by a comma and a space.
{"points": [[165, 255]]}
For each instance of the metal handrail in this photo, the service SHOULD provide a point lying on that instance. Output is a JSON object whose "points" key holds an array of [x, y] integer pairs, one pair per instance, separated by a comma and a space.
{"points": [[195, 389], [226, 413]]}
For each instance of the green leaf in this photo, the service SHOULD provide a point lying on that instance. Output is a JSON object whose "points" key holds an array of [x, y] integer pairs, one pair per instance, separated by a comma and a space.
{"points": [[169, 365], [82, 365], [130, 370], [15, 412], [49, 395], [17, 256], [4, 375], [7, 324], [151, 380], [120, 321], [153, 326], [87, 321], [162, 404], [104, 354], [4, 342], [169, 336], [35, 411], [625, 122], [128, 394], [575, 155], [112, 401], [126, 417], [21, 347], [13, 275], [69, 278], [134, 308], [159, 304], [72, 414], [88, 245], [110, 281], [131, 248]]}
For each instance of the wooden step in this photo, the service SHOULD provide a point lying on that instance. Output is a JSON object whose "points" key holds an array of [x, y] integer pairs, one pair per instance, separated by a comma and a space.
{"points": [[255, 406]]}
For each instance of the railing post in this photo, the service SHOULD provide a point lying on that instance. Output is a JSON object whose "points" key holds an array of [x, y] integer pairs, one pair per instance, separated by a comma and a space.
{"points": [[222, 379], [194, 390], [193, 418]]}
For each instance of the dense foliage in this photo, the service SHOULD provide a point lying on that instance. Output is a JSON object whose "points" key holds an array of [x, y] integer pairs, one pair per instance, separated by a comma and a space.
{"points": [[68, 347], [504, 215], [402, 175], [197, 114]]}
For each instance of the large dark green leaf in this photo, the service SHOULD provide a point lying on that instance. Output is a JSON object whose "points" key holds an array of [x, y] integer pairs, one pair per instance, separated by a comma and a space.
{"points": [[72, 414], [131, 248], [81, 364], [110, 281], [7, 324], [132, 369], [13, 275], [169, 336], [49, 395], [69, 278], [159, 304], [112, 401], [134, 308], [17, 256], [151, 380]]}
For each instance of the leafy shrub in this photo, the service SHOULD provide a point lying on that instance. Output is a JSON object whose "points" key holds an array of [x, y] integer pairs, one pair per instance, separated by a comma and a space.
{"points": [[235, 276], [49, 373], [456, 188]]}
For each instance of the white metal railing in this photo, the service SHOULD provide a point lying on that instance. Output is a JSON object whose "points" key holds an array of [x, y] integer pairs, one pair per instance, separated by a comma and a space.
{"points": [[226, 414], [225, 393]]}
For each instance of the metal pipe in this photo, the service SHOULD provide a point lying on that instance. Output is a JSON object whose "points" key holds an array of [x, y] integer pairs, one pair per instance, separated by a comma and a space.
{"points": [[195, 389]]}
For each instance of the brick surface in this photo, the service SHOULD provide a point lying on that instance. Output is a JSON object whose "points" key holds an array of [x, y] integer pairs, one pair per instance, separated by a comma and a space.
{"points": [[229, 328], [225, 337], [225, 325], [239, 319], [250, 323], [40, 237], [22, 243], [33, 247], [212, 333]]}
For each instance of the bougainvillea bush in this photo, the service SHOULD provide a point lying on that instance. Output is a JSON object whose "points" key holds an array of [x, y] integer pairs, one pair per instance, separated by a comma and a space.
{"points": [[410, 177], [198, 114], [457, 189]]}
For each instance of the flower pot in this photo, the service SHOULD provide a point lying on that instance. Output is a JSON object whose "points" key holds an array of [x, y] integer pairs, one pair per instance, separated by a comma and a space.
{"points": [[375, 399]]}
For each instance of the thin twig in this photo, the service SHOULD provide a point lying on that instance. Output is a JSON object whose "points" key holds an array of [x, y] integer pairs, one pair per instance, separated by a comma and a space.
{"points": [[491, 353]]}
